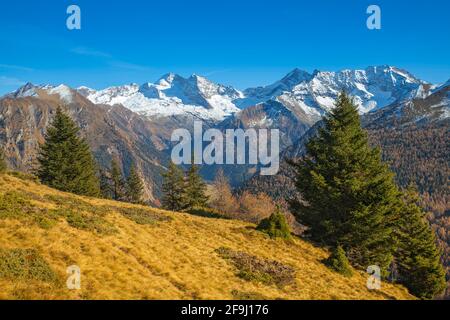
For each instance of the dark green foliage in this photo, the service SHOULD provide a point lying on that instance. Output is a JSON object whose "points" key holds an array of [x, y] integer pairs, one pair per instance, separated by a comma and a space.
{"points": [[252, 268], [338, 262], [66, 162], [25, 264], [173, 187], [195, 189], [87, 221], [350, 197], [276, 225], [134, 187], [117, 182], [3, 166], [106, 188], [418, 259], [207, 213]]}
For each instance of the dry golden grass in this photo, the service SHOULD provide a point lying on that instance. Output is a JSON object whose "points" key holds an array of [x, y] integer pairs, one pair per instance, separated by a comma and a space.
{"points": [[171, 259]]}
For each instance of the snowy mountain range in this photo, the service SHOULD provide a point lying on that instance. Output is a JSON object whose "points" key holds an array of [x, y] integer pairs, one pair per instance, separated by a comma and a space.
{"points": [[307, 95]]}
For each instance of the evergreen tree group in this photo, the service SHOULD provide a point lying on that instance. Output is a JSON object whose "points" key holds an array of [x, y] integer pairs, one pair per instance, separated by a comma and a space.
{"points": [[114, 186], [276, 225], [183, 191], [65, 160], [418, 258], [350, 199]]}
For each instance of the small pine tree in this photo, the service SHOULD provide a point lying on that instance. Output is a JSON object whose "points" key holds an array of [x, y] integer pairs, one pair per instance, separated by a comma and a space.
{"points": [[349, 194], [3, 166], [66, 162], [135, 187], [105, 184], [338, 262], [195, 189], [173, 187], [276, 225], [418, 259], [117, 182]]}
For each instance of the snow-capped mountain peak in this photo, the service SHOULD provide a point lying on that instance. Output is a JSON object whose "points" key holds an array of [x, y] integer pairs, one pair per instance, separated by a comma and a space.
{"points": [[64, 92], [171, 95], [372, 88]]}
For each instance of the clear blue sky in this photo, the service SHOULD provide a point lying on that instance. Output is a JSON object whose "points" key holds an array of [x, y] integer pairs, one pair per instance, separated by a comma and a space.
{"points": [[243, 43]]}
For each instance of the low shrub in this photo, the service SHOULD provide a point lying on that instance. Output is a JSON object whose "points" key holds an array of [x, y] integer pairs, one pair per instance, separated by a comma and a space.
{"points": [[207, 213], [25, 264], [252, 268], [275, 226], [141, 215], [338, 262]]}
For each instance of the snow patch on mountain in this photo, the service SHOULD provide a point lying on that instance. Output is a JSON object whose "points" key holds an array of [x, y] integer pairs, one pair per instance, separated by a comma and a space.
{"points": [[65, 93]]}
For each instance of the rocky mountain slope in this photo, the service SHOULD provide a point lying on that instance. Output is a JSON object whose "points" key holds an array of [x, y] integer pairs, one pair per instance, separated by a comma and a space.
{"points": [[112, 132]]}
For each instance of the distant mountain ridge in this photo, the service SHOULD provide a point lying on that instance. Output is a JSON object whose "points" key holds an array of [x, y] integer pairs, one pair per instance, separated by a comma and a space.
{"points": [[147, 114], [309, 95]]}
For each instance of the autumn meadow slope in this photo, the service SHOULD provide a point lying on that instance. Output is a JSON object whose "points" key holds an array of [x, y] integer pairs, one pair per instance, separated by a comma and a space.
{"points": [[135, 252]]}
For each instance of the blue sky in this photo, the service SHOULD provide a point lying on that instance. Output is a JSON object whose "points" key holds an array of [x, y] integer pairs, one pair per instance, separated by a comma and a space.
{"points": [[242, 43]]}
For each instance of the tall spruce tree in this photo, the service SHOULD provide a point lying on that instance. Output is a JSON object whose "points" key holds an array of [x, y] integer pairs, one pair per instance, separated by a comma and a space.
{"points": [[135, 187], [66, 162], [418, 259], [195, 189], [349, 195], [174, 197], [3, 166], [117, 182]]}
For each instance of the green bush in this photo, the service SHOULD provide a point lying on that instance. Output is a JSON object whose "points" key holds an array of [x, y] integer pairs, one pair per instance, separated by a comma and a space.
{"points": [[275, 226], [206, 213], [25, 264], [338, 262]]}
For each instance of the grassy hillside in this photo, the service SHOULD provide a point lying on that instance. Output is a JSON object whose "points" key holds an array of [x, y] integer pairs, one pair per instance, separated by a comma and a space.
{"points": [[135, 252]]}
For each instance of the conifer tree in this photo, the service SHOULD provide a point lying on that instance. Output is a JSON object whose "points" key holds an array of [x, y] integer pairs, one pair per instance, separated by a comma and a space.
{"points": [[117, 182], [418, 259], [338, 262], [135, 187], [349, 195], [276, 225], [3, 166], [173, 189], [195, 189], [66, 162]]}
